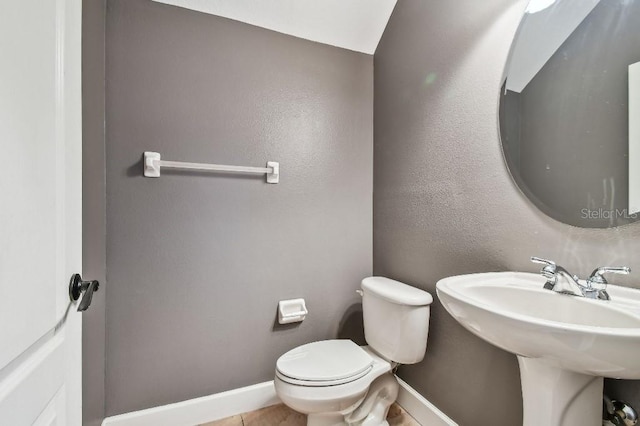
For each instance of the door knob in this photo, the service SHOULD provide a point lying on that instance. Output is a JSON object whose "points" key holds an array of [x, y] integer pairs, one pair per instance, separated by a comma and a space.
{"points": [[78, 287]]}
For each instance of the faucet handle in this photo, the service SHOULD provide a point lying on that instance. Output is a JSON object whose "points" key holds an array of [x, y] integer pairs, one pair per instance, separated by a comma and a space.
{"points": [[549, 270], [597, 277], [543, 261]]}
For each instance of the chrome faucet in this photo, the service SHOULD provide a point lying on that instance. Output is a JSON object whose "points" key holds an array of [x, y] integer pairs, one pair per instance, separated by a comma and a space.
{"points": [[561, 281]]}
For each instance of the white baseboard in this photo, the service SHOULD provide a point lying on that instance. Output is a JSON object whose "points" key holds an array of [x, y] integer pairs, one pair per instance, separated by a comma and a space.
{"points": [[201, 410], [226, 404], [418, 407]]}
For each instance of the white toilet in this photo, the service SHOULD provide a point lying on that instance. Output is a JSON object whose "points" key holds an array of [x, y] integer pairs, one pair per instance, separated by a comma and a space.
{"points": [[336, 382]]}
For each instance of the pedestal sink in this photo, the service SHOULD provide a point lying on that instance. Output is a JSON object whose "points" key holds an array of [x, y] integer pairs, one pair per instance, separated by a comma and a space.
{"points": [[565, 344]]}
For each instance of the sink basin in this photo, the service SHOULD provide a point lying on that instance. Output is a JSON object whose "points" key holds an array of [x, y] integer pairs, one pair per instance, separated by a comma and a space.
{"points": [[565, 344], [512, 311]]}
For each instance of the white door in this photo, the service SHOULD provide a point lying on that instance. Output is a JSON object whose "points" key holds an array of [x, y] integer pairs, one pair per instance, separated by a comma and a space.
{"points": [[40, 211]]}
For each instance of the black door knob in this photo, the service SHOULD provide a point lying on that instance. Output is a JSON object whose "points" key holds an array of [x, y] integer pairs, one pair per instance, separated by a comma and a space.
{"points": [[77, 287]]}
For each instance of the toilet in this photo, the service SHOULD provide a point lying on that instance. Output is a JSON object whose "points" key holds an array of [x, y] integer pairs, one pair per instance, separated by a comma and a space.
{"points": [[337, 382]]}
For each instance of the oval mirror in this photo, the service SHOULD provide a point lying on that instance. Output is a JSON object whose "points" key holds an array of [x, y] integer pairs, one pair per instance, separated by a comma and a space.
{"points": [[570, 110]]}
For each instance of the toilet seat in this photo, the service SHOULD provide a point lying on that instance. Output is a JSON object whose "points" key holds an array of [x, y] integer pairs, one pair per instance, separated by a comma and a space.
{"points": [[324, 363]]}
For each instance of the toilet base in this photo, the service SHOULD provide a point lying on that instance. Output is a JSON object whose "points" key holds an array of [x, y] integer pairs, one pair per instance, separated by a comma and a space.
{"points": [[374, 408], [372, 411], [336, 420]]}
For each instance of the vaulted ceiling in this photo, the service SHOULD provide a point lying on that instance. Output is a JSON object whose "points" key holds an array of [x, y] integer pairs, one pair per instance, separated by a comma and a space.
{"points": [[351, 24]]}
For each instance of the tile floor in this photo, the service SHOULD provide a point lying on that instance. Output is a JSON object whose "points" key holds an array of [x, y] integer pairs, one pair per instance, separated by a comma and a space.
{"points": [[281, 415]]}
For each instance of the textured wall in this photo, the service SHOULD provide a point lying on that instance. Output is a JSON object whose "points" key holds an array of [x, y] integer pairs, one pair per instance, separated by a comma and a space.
{"points": [[198, 261], [445, 204], [93, 209]]}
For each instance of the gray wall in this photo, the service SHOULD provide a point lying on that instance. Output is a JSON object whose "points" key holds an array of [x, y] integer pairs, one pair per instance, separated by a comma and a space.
{"points": [[93, 209], [574, 130], [445, 204], [198, 261]]}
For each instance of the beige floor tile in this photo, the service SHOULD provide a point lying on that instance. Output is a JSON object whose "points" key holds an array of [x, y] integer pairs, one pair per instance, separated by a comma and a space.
{"points": [[276, 415], [281, 415], [398, 417], [229, 421]]}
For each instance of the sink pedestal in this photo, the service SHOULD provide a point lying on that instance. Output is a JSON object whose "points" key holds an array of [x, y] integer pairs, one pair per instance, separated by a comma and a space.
{"points": [[552, 396]]}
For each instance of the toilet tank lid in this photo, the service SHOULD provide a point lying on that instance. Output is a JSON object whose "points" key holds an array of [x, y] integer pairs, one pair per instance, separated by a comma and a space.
{"points": [[396, 292]]}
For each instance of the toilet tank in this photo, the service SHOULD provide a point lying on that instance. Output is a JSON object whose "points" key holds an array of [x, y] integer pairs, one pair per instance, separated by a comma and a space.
{"points": [[396, 319]]}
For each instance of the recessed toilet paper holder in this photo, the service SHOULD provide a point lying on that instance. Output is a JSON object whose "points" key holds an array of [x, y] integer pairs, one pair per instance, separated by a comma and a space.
{"points": [[293, 310]]}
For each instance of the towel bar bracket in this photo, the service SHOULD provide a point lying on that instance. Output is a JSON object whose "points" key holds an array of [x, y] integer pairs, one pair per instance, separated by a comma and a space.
{"points": [[152, 164], [274, 175]]}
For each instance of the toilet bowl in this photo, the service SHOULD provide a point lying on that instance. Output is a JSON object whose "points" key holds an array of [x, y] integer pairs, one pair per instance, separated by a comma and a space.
{"points": [[337, 382], [341, 390]]}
